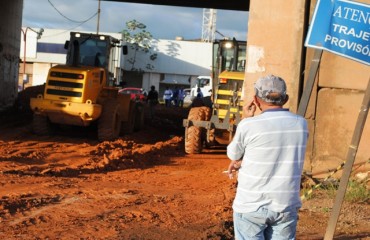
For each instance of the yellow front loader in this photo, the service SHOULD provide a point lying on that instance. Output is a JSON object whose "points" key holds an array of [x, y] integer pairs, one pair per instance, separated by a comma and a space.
{"points": [[82, 91]]}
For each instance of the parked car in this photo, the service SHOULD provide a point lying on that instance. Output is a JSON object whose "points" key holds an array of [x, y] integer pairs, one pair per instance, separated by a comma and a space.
{"points": [[138, 94]]}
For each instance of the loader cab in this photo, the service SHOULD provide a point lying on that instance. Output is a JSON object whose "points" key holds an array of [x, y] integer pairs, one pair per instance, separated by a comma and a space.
{"points": [[93, 50], [87, 49], [229, 60], [228, 55]]}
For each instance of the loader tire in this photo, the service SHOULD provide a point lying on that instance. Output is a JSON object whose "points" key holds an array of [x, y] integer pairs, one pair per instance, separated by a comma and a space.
{"points": [[109, 123], [207, 113], [128, 126], [139, 117], [207, 116], [41, 125], [193, 134]]}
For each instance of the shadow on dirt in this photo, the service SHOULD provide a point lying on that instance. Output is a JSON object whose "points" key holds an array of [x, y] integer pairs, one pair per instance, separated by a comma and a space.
{"points": [[353, 237], [12, 205]]}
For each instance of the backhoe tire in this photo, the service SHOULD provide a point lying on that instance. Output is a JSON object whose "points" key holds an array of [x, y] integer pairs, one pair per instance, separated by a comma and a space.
{"points": [[109, 123], [41, 125], [193, 134]]}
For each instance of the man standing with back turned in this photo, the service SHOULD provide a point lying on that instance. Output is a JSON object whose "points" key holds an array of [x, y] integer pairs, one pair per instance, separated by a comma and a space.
{"points": [[272, 147]]}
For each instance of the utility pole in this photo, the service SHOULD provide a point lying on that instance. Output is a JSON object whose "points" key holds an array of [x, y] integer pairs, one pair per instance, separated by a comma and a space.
{"points": [[97, 27], [24, 32]]}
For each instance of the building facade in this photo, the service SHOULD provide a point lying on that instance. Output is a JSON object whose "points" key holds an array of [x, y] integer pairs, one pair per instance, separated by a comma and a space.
{"points": [[177, 62]]}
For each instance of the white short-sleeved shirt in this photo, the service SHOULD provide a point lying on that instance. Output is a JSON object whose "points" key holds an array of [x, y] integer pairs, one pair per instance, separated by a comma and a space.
{"points": [[272, 146]]}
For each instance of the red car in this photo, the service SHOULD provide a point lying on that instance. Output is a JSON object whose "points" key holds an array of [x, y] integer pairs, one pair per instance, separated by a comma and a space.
{"points": [[135, 93]]}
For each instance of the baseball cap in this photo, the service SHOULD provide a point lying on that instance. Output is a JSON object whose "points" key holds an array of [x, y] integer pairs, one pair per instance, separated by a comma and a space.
{"points": [[271, 89]]}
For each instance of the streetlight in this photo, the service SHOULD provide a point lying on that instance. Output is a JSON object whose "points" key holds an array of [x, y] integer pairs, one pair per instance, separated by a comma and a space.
{"points": [[39, 34]]}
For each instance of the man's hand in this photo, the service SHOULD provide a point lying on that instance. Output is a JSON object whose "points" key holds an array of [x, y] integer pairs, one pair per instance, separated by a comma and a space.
{"points": [[249, 109], [234, 166]]}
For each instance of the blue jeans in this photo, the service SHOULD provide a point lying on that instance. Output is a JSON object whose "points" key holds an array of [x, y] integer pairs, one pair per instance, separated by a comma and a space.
{"points": [[265, 224]]}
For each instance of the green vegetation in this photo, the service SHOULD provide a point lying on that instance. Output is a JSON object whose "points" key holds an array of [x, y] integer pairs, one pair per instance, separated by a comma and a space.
{"points": [[356, 191], [140, 40]]}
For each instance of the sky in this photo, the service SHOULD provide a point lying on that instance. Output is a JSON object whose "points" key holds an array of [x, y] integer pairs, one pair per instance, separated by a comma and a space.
{"points": [[163, 22]]}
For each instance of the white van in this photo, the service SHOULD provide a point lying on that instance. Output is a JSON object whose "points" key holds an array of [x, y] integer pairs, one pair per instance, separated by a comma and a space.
{"points": [[188, 98], [205, 85]]}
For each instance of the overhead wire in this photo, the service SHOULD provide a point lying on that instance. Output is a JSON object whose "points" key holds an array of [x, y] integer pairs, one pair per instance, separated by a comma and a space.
{"points": [[69, 19], [75, 21], [68, 30]]}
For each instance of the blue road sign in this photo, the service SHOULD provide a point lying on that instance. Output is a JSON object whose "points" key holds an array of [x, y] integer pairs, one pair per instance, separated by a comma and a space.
{"points": [[341, 27]]}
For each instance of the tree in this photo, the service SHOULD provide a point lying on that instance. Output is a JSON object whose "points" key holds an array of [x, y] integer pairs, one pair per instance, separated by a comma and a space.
{"points": [[140, 40]]}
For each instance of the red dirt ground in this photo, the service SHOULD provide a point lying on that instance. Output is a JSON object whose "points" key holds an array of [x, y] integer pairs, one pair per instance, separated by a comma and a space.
{"points": [[142, 186]]}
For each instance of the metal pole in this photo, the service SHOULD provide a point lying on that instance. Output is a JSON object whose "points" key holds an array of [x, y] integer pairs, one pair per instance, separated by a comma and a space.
{"points": [[24, 32], [97, 27], [24, 56], [351, 155], [315, 62]]}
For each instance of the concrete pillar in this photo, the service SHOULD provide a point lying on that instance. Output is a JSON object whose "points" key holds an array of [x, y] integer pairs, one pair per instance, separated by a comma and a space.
{"points": [[11, 21], [275, 43]]}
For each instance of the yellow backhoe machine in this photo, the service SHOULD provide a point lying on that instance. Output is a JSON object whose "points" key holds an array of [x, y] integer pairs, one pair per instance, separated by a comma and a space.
{"points": [[82, 91], [216, 121]]}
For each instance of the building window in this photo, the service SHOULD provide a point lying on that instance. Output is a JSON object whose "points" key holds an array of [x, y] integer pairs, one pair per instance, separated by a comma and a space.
{"points": [[51, 48]]}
